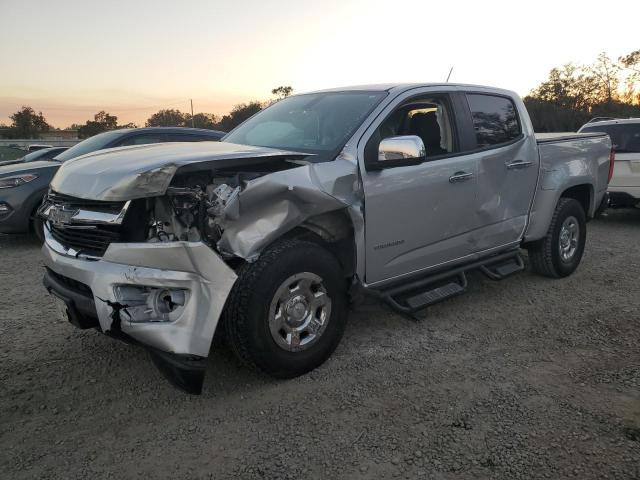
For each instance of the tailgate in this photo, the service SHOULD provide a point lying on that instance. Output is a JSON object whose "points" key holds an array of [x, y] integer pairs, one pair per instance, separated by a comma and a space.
{"points": [[626, 172]]}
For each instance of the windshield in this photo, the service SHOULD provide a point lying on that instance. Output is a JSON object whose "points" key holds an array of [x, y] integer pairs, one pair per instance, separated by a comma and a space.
{"points": [[319, 123], [45, 153], [97, 142], [624, 137], [33, 156]]}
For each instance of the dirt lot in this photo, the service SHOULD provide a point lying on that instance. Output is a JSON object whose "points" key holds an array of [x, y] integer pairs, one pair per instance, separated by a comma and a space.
{"points": [[525, 378]]}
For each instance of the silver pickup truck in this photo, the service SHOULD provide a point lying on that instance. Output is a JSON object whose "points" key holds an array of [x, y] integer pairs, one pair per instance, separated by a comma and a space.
{"points": [[392, 190]]}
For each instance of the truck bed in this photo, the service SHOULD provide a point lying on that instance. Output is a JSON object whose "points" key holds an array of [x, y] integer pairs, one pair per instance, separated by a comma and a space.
{"points": [[567, 159]]}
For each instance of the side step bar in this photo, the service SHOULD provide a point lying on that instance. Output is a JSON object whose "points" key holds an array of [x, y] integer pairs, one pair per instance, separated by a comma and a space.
{"points": [[408, 298], [502, 269]]}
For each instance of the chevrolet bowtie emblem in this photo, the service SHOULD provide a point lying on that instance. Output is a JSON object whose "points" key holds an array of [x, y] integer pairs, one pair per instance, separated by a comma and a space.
{"points": [[59, 216]]}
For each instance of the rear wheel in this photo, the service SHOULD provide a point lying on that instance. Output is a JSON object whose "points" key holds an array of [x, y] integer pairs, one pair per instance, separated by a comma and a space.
{"points": [[287, 311], [558, 254]]}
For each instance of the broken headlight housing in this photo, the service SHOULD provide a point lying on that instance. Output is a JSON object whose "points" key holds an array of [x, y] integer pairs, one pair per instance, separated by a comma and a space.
{"points": [[150, 304]]}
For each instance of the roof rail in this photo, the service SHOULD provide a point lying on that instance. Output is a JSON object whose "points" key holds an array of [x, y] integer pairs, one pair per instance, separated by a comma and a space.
{"points": [[601, 119]]}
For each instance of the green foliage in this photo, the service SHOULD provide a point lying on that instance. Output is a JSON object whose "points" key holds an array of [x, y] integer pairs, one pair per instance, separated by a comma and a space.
{"points": [[239, 114], [26, 123], [175, 118], [102, 122], [202, 120], [167, 118], [575, 93], [282, 92]]}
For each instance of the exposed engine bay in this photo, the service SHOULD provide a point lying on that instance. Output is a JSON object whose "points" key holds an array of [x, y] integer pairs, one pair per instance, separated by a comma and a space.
{"points": [[198, 206]]}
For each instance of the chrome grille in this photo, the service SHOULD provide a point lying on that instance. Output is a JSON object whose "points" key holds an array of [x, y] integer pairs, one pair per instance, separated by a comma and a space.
{"points": [[93, 241], [81, 203], [80, 226]]}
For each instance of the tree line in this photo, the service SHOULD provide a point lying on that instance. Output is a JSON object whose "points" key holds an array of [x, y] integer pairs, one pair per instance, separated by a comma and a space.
{"points": [[26, 123], [571, 96], [574, 94]]}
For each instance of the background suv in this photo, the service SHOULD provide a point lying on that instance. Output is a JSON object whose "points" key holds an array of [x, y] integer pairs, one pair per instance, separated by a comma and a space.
{"points": [[624, 189]]}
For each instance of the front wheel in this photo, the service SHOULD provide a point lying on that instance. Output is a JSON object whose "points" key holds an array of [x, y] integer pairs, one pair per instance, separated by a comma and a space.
{"points": [[287, 311], [558, 254]]}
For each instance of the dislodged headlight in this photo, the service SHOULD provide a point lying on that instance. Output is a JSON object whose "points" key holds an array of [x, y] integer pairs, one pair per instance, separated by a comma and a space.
{"points": [[17, 180]]}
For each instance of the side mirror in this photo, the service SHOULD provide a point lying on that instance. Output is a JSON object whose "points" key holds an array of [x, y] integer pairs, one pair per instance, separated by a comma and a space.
{"points": [[401, 150]]}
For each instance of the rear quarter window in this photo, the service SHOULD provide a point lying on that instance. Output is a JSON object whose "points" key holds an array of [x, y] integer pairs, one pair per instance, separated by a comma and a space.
{"points": [[495, 119], [143, 139], [624, 137]]}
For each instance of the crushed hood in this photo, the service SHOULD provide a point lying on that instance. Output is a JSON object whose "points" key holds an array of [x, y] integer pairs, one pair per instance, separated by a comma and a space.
{"points": [[127, 173]]}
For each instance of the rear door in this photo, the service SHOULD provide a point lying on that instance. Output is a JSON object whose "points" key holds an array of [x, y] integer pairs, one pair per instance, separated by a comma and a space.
{"points": [[508, 163], [418, 216]]}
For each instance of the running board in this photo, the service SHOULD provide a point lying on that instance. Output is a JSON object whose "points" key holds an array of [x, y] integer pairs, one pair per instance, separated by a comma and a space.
{"points": [[409, 297], [504, 268], [447, 288]]}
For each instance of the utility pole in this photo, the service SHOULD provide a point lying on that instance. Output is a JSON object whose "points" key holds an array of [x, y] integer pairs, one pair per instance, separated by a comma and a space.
{"points": [[193, 122]]}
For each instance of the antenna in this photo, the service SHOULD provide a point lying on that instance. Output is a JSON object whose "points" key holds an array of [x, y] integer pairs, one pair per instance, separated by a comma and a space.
{"points": [[193, 122], [449, 76]]}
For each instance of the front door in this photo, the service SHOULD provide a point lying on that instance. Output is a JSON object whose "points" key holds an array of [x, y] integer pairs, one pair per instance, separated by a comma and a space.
{"points": [[419, 216]]}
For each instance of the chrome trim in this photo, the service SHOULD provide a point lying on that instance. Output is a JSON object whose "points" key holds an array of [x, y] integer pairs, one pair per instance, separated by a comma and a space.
{"points": [[460, 177], [60, 249], [402, 147], [84, 215]]}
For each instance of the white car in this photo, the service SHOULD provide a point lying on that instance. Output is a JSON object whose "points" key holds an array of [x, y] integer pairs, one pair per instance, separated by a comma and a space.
{"points": [[624, 189]]}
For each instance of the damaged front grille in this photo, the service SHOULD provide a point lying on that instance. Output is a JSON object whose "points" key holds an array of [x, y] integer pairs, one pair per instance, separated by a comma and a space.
{"points": [[82, 203], [80, 226], [92, 241]]}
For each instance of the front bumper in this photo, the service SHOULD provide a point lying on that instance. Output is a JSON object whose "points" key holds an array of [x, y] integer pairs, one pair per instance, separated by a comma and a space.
{"points": [[16, 209], [188, 266]]}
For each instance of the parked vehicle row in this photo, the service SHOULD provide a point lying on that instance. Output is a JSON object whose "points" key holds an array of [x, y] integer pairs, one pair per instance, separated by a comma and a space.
{"points": [[36, 170], [395, 191], [38, 154]]}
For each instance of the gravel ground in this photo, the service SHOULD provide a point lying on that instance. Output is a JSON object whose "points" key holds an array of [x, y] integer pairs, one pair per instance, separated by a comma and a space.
{"points": [[525, 378]]}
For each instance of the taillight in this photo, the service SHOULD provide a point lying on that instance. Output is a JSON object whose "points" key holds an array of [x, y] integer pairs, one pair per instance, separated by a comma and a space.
{"points": [[612, 162]]}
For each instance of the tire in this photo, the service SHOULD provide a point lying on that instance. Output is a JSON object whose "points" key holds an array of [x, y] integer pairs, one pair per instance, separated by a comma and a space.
{"points": [[257, 319], [552, 256]]}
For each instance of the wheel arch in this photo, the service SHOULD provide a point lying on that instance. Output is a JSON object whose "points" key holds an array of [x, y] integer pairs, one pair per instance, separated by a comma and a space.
{"points": [[335, 231], [584, 194], [545, 203]]}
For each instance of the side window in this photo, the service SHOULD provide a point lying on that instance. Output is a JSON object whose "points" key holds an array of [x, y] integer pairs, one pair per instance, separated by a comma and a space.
{"points": [[142, 140], [494, 119], [429, 118], [178, 137]]}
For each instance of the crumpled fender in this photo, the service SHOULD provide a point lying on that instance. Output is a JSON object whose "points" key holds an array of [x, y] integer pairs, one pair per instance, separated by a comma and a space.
{"points": [[270, 206]]}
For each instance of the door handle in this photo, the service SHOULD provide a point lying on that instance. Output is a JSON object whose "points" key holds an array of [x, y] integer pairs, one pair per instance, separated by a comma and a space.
{"points": [[518, 164], [460, 177]]}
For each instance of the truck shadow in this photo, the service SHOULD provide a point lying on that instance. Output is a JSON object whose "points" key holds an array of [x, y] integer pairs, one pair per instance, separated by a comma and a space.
{"points": [[620, 217]]}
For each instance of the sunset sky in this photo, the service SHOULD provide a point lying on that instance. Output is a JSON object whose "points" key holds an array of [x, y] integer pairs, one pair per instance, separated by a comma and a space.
{"points": [[70, 59]]}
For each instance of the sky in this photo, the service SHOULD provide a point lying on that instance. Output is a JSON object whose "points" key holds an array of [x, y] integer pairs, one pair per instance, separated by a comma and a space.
{"points": [[70, 59]]}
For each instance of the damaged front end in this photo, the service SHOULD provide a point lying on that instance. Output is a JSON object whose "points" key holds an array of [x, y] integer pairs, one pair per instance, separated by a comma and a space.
{"points": [[150, 256]]}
